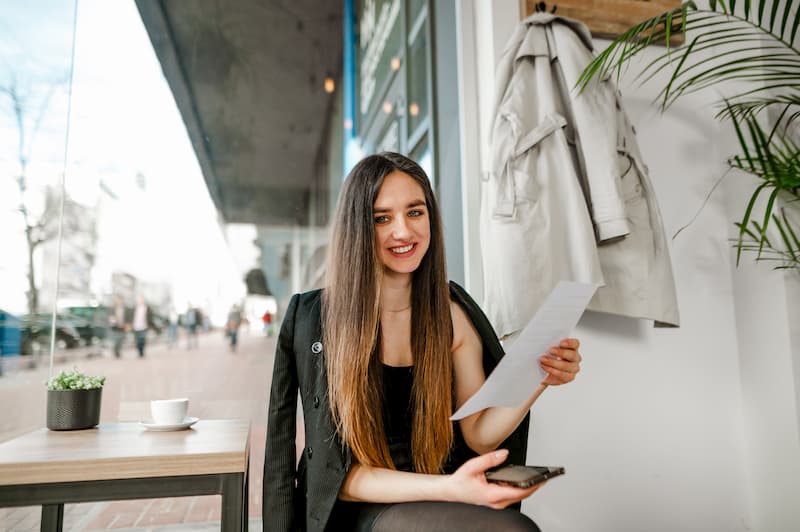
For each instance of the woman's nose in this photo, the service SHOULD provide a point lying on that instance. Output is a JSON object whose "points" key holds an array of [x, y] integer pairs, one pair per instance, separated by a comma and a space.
{"points": [[400, 229]]}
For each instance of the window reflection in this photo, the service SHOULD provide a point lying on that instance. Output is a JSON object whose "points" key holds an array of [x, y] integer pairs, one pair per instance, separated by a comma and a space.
{"points": [[35, 67]]}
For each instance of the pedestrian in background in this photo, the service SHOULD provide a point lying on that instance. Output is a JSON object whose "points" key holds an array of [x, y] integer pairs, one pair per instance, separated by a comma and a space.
{"points": [[172, 328], [116, 319], [190, 322], [267, 319], [140, 323], [233, 324]]}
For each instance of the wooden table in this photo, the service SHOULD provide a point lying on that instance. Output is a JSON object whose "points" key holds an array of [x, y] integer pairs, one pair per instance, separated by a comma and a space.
{"points": [[125, 461]]}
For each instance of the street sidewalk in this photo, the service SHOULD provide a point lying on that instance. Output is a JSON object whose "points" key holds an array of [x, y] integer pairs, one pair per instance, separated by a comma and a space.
{"points": [[219, 383]]}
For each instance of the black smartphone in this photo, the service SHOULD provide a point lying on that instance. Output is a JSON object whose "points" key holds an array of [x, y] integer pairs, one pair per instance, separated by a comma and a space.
{"points": [[522, 476]]}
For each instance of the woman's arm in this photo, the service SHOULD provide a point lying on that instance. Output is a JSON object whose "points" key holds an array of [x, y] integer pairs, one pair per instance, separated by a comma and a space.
{"points": [[468, 484], [485, 430]]}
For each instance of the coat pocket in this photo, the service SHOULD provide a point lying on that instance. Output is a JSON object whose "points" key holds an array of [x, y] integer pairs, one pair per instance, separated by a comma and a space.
{"points": [[515, 145]]}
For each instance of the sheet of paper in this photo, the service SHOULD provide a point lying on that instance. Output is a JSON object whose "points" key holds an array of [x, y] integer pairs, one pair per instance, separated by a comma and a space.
{"points": [[518, 374]]}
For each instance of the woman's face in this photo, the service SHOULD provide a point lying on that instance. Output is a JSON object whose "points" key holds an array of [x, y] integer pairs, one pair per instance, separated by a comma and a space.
{"points": [[402, 225]]}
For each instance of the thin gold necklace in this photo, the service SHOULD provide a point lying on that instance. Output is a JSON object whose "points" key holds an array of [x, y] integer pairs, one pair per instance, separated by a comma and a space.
{"points": [[398, 310]]}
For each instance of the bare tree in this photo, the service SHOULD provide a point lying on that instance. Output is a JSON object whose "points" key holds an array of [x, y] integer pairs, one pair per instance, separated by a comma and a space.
{"points": [[38, 229]]}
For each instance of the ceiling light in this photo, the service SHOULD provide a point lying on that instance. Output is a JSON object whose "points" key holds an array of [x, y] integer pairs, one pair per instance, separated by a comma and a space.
{"points": [[413, 109], [395, 63], [330, 85], [387, 107]]}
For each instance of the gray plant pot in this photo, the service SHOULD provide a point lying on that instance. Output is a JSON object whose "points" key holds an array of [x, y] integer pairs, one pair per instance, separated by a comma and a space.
{"points": [[73, 409]]}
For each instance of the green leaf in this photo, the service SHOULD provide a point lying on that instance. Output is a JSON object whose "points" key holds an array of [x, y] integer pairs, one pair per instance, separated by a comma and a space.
{"points": [[794, 241], [785, 235], [767, 217], [746, 219], [795, 25], [773, 15]]}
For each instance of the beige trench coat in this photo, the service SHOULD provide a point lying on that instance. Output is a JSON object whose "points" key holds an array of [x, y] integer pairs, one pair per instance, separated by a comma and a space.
{"points": [[568, 196]]}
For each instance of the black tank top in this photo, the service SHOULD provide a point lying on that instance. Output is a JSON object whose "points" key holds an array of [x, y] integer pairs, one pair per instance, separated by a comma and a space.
{"points": [[397, 413], [398, 417]]}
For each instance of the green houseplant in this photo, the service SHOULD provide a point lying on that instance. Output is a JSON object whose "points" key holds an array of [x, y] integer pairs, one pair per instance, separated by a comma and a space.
{"points": [[73, 400], [751, 49]]}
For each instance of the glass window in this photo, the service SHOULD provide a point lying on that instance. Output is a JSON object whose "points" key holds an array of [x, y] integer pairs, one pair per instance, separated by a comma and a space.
{"points": [[414, 9], [35, 69], [418, 104], [422, 155], [391, 138]]}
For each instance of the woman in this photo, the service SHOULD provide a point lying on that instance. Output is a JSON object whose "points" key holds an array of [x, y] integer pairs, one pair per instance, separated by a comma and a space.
{"points": [[382, 357]]}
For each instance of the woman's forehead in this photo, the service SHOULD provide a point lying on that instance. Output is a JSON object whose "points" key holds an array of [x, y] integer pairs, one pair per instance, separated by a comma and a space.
{"points": [[399, 188]]}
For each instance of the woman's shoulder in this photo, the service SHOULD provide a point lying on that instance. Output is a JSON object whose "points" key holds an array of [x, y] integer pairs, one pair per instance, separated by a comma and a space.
{"points": [[305, 302], [462, 303], [462, 298], [311, 295]]}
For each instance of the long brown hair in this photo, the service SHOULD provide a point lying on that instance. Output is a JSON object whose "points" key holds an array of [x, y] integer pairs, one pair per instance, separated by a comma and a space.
{"points": [[351, 325]]}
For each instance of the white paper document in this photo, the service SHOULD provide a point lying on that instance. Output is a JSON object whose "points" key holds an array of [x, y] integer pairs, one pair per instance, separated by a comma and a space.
{"points": [[518, 374]]}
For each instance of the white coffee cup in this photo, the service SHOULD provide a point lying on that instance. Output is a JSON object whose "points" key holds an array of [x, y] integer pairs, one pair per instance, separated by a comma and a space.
{"points": [[169, 411]]}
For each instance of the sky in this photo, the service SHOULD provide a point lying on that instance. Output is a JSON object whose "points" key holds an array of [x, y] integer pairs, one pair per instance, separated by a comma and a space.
{"points": [[125, 132]]}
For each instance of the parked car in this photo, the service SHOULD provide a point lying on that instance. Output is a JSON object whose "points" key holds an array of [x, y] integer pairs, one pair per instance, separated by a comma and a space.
{"points": [[90, 321], [36, 333]]}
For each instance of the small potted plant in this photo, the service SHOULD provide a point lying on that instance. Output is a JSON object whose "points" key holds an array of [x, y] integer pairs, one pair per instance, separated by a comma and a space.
{"points": [[73, 400]]}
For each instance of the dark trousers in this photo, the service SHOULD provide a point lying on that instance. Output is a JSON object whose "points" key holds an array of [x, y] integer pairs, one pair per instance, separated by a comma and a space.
{"points": [[141, 339], [426, 517]]}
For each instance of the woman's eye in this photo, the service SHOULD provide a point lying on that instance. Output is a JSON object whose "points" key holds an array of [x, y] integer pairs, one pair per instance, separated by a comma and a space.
{"points": [[381, 219], [415, 212]]}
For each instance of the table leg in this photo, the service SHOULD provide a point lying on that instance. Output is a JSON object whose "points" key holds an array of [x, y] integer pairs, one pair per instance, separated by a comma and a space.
{"points": [[246, 499], [233, 503], [52, 517]]}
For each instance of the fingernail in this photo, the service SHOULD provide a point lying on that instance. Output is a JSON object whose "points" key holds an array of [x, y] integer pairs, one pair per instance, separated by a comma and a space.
{"points": [[501, 453]]}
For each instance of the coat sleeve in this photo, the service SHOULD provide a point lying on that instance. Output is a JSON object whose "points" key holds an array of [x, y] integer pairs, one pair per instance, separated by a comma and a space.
{"points": [[279, 459]]}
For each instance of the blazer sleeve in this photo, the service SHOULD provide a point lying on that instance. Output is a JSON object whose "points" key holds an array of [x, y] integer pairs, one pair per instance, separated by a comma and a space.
{"points": [[279, 459]]}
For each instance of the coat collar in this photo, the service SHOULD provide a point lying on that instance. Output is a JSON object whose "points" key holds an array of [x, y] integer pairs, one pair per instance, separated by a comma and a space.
{"points": [[534, 41]]}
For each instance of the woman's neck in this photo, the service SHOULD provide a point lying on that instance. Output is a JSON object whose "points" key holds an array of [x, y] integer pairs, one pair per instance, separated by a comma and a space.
{"points": [[396, 293]]}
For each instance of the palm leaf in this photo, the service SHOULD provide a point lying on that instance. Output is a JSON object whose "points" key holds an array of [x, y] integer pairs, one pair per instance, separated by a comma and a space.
{"points": [[750, 107], [787, 254], [777, 63], [775, 160]]}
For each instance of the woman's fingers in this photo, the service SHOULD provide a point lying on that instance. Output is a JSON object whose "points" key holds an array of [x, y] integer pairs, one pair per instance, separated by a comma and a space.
{"points": [[570, 343], [481, 463], [562, 363], [502, 496]]}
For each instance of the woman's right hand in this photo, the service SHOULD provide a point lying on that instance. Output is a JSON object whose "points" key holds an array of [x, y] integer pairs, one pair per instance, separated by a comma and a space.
{"points": [[468, 484]]}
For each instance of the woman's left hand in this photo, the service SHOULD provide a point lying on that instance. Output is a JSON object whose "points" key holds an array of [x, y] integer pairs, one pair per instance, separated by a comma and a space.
{"points": [[562, 363]]}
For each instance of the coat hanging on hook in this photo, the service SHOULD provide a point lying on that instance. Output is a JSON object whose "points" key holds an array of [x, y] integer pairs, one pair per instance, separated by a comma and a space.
{"points": [[568, 196]]}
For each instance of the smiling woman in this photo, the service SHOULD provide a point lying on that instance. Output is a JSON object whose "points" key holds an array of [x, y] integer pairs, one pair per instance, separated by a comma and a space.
{"points": [[400, 350]]}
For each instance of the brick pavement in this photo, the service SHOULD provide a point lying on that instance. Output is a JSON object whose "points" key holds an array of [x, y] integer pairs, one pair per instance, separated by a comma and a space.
{"points": [[219, 384]]}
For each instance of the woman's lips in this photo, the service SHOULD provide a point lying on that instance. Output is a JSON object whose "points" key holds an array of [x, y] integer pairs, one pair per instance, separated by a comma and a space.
{"points": [[403, 251]]}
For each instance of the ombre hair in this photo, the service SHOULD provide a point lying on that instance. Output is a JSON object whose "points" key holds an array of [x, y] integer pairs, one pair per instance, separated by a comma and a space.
{"points": [[351, 325]]}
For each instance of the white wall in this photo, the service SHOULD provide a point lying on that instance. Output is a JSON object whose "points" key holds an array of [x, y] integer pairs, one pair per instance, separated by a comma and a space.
{"points": [[693, 428]]}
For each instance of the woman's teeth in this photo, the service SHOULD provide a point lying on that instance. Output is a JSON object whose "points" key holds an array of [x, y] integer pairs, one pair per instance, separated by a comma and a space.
{"points": [[402, 249]]}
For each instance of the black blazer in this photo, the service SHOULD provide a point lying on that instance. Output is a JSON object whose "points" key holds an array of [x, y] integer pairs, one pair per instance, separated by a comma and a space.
{"points": [[302, 497]]}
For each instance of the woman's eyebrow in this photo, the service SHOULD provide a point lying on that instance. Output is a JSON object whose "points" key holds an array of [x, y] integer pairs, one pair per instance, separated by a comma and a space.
{"points": [[415, 203]]}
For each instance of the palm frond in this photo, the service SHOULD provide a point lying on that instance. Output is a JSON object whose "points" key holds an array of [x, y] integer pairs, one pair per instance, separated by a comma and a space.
{"points": [[756, 47], [753, 106], [775, 160], [786, 253]]}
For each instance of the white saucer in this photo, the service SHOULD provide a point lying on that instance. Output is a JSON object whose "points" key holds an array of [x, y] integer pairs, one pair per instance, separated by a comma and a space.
{"points": [[185, 424]]}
